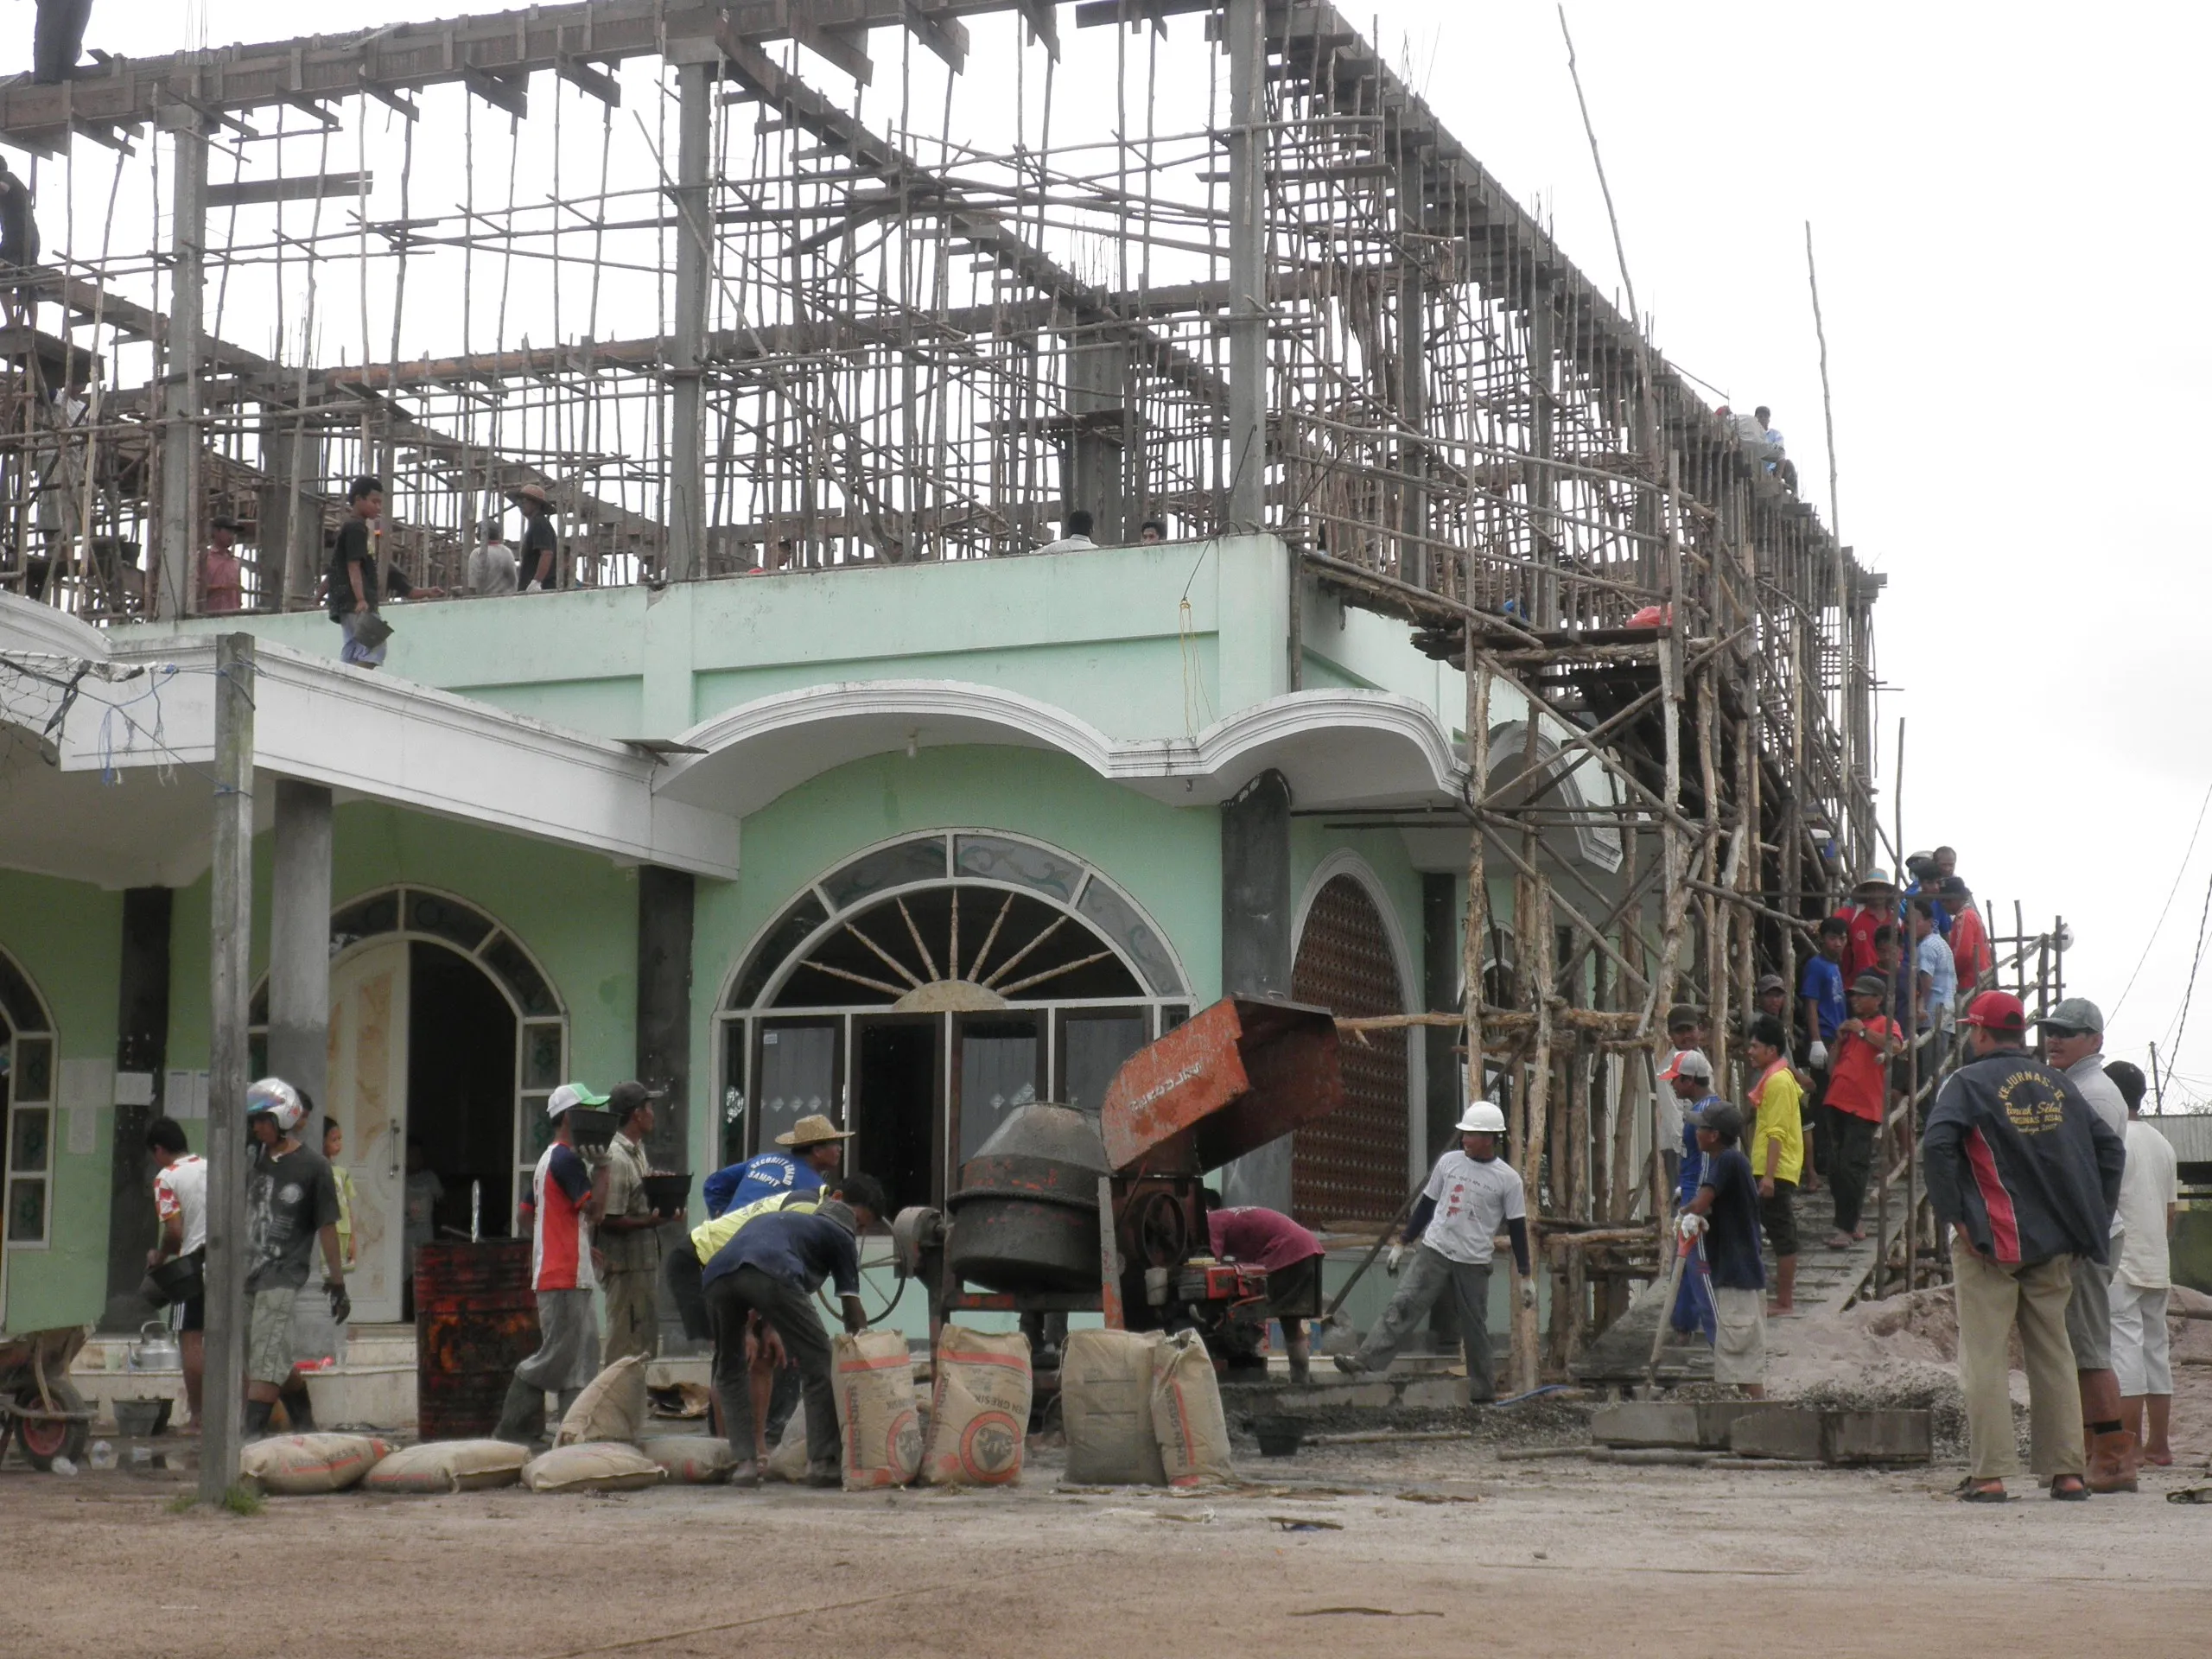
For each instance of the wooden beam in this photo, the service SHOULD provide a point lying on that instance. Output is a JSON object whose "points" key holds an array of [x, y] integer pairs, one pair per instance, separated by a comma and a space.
{"points": [[600, 84], [838, 48], [940, 31], [248, 191], [393, 97], [512, 95]]}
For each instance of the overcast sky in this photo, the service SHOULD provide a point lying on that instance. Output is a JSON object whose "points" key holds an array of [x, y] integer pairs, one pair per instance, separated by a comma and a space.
{"points": [[2005, 209]]}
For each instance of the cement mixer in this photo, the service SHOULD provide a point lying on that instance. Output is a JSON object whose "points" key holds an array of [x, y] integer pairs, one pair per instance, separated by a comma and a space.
{"points": [[1062, 1212]]}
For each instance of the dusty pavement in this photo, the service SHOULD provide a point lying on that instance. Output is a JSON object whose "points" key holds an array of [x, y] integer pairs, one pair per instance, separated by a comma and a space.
{"points": [[1553, 1557]]}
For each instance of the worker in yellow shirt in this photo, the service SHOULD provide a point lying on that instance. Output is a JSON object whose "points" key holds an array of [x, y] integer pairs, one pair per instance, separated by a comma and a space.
{"points": [[1777, 1150], [764, 1353]]}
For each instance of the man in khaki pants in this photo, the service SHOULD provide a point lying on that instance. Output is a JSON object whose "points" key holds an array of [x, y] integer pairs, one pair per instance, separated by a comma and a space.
{"points": [[629, 1232], [2026, 1175]]}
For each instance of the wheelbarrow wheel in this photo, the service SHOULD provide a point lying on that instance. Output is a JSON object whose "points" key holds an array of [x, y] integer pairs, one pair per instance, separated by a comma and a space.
{"points": [[43, 1441]]}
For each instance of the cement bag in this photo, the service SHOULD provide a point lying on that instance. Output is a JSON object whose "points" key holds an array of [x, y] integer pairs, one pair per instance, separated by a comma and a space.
{"points": [[692, 1460], [788, 1461], [876, 1415], [611, 1408], [1106, 1404], [1187, 1417], [447, 1466], [606, 1467], [979, 1409], [310, 1463]]}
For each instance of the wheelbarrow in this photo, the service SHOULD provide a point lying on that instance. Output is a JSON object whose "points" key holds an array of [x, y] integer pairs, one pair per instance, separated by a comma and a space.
{"points": [[40, 1408]]}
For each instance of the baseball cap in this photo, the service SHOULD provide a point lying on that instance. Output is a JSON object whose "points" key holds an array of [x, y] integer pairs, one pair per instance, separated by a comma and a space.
{"points": [[571, 1094], [1688, 1063], [1997, 1011], [1869, 985], [2075, 1013], [1773, 983], [625, 1097], [1684, 1014], [1721, 1117]]}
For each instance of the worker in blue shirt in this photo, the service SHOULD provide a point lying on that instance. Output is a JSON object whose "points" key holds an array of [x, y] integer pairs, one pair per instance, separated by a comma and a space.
{"points": [[759, 1290], [817, 1147], [1690, 1075]]}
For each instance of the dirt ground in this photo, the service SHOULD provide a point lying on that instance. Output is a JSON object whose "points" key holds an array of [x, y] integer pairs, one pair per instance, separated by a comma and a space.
{"points": [[1435, 1548]]}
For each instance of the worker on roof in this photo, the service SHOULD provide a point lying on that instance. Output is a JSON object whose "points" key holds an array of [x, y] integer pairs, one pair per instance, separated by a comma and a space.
{"points": [[538, 564], [1293, 1257], [817, 1148], [1470, 1194]]}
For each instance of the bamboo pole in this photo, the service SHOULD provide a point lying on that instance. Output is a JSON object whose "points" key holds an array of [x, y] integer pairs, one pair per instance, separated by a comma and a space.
{"points": [[1525, 1354]]}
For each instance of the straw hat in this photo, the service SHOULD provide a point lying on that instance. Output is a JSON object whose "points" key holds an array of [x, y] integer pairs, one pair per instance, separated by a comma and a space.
{"points": [[532, 492], [812, 1131]]}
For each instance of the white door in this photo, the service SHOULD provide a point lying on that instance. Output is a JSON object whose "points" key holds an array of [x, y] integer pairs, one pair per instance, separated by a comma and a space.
{"points": [[367, 1082]]}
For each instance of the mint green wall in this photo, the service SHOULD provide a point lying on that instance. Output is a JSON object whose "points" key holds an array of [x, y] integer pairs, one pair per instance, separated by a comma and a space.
{"points": [[67, 937], [1105, 635], [1168, 859]]}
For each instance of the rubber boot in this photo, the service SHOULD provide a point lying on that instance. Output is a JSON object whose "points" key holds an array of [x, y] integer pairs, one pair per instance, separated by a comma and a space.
{"points": [[2114, 1457], [1302, 1359], [522, 1415], [299, 1410], [257, 1419]]}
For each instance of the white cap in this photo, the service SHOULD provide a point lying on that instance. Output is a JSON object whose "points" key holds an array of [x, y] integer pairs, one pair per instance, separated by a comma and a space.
{"points": [[570, 1094]]}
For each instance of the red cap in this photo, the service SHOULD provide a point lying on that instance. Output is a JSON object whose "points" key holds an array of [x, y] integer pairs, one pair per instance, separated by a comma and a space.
{"points": [[1997, 1011]]}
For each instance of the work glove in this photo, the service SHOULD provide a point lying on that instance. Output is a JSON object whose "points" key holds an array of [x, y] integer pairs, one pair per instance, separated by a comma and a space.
{"points": [[1528, 1294], [1690, 1226], [1393, 1262], [341, 1305], [1819, 1056]]}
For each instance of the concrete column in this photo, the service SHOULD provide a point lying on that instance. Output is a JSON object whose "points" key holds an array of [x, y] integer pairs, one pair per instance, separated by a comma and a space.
{"points": [[664, 909], [687, 459], [289, 507], [1413, 370], [141, 1027], [1256, 947], [1247, 264], [1543, 483], [177, 517], [1097, 464], [299, 944]]}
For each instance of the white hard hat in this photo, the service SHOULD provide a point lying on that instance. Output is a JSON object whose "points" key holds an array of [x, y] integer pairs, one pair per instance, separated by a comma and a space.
{"points": [[273, 1097], [1482, 1118]]}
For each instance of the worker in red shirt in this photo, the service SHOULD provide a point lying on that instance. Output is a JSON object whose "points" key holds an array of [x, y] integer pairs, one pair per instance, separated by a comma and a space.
{"points": [[1873, 903], [1292, 1257], [1858, 1095], [1970, 949]]}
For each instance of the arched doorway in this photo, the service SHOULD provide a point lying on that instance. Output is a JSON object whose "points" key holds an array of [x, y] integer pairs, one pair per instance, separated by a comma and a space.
{"points": [[1350, 1165], [445, 1038], [924, 990], [27, 1085]]}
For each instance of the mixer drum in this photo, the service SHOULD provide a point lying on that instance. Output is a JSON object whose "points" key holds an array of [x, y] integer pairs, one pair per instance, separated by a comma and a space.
{"points": [[1025, 1217]]}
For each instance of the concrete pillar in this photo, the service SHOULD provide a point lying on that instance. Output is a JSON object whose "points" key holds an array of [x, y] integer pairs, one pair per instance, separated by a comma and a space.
{"points": [[664, 910], [687, 458], [1247, 264], [288, 508], [177, 517], [299, 945], [1412, 371], [1098, 462], [1256, 947], [141, 1028], [1543, 483]]}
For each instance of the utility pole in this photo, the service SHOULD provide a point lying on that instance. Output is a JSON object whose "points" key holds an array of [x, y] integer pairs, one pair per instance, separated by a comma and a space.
{"points": [[230, 904]]}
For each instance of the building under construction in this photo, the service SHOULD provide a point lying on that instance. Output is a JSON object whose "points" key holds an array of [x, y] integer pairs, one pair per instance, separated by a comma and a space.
{"points": [[1444, 658]]}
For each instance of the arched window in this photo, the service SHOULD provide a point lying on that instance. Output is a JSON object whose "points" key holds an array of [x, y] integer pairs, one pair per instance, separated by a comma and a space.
{"points": [[463, 934], [920, 992], [1350, 1165], [27, 1071]]}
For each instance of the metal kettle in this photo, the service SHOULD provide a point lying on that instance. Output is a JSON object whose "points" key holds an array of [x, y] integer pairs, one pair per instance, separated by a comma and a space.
{"points": [[156, 1349]]}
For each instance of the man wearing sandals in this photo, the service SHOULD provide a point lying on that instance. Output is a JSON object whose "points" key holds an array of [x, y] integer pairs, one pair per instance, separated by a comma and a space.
{"points": [[2026, 1176]]}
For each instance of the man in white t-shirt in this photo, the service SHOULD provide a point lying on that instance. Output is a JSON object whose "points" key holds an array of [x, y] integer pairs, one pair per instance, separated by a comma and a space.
{"points": [[1470, 1194], [2150, 1191], [181, 1206]]}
